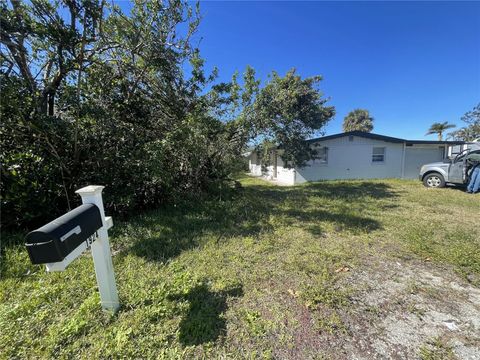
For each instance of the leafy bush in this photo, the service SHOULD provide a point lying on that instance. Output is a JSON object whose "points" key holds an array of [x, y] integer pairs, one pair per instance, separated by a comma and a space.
{"points": [[107, 111]]}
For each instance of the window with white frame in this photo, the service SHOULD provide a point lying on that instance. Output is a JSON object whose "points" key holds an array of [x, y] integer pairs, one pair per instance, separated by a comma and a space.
{"points": [[322, 155], [378, 155]]}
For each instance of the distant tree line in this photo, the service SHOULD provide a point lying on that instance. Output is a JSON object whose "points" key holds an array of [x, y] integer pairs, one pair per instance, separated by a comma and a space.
{"points": [[93, 95], [471, 130], [360, 120]]}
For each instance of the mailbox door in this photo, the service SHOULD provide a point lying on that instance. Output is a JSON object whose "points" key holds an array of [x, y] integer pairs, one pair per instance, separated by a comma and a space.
{"points": [[43, 251]]}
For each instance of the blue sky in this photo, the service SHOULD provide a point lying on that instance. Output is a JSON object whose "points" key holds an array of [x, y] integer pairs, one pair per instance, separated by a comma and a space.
{"points": [[409, 63]]}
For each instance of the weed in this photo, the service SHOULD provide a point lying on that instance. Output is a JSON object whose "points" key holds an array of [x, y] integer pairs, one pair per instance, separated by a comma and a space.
{"points": [[331, 323], [436, 349]]}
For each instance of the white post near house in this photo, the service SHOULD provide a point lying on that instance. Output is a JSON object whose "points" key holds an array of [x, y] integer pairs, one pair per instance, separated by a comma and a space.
{"points": [[102, 257]]}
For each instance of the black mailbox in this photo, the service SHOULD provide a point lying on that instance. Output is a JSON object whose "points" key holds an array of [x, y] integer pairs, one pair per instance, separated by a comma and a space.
{"points": [[54, 241]]}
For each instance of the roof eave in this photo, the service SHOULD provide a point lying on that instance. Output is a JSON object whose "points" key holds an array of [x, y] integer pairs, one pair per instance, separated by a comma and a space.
{"points": [[384, 138]]}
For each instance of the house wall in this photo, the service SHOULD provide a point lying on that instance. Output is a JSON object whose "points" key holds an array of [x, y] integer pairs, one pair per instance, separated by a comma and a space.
{"points": [[284, 175], [254, 164], [353, 160]]}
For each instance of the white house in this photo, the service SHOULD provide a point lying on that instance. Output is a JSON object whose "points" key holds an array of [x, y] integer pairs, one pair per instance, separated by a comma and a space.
{"points": [[358, 155]]}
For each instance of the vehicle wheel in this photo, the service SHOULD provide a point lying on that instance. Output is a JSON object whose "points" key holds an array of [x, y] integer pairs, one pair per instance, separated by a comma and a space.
{"points": [[434, 180]]}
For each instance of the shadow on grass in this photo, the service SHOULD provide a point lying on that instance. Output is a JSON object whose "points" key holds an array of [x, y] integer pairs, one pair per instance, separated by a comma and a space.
{"points": [[351, 190], [204, 321], [163, 234], [352, 223]]}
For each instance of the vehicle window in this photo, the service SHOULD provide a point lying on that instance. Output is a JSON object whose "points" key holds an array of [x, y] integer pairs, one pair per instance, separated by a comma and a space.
{"points": [[476, 153], [461, 156]]}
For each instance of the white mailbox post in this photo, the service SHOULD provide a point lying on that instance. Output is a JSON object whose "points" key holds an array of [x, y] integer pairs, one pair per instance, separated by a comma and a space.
{"points": [[102, 257]]}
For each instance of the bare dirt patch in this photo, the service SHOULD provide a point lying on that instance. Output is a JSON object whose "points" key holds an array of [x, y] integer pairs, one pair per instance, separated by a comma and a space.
{"points": [[405, 310], [397, 310]]}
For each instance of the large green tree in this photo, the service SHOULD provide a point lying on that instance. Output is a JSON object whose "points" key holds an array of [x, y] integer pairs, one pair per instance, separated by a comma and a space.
{"points": [[44, 48], [358, 120], [91, 95], [439, 129], [282, 114], [288, 110]]}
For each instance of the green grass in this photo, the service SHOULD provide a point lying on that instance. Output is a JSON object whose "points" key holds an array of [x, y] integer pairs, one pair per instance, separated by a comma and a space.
{"points": [[251, 274], [436, 349]]}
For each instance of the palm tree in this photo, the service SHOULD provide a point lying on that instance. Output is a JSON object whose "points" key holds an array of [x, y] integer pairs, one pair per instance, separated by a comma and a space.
{"points": [[358, 120], [439, 128]]}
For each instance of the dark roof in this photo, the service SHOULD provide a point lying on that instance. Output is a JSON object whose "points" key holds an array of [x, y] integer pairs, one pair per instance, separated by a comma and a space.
{"points": [[384, 138], [433, 142]]}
